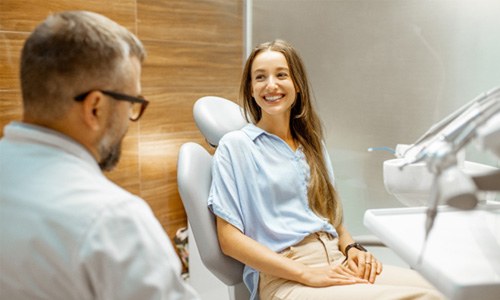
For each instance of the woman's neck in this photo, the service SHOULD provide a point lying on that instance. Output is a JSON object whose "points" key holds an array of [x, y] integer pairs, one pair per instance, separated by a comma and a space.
{"points": [[279, 127]]}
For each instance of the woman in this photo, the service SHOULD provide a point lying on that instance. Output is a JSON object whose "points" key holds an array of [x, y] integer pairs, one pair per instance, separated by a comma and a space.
{"points": [[277, 210]]}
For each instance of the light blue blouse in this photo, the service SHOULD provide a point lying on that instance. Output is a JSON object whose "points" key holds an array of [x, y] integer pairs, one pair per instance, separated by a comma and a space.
{"points": [[259, 185]]}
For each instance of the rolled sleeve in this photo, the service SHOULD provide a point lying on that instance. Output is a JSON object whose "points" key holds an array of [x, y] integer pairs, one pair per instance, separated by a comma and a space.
{"points": [[223, 200]]}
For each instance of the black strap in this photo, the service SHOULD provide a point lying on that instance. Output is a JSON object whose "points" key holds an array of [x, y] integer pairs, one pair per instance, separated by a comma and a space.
{"points": [[353, 245]]}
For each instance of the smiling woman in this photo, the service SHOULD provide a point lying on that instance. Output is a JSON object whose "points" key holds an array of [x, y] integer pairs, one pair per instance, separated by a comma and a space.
{"points": [[273, 195], [383, 72], [273, 88]]}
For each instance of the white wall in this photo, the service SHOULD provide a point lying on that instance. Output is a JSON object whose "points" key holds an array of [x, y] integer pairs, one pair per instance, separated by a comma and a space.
{"points": [[382, 73]]}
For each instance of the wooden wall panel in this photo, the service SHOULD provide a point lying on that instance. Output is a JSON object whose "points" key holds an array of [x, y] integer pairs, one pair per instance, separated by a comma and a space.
{"points": [[159, 180], [127, 174], [195, 21], [188, 65], [194, 49], [11, 45], [10, 107], [172, 109], [24, 15]]}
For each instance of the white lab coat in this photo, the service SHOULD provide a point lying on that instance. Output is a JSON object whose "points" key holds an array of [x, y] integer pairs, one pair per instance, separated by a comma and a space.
{"points": [[67, 232]]}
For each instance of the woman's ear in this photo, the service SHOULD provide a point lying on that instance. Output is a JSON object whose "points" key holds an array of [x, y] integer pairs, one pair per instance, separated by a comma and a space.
{"points": [[93, 110]]}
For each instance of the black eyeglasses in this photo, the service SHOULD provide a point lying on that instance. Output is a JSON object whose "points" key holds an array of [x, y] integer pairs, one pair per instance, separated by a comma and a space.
{"points": [[139, 104]]}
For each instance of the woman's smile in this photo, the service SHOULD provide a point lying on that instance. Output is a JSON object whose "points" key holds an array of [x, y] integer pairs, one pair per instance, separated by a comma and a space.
{"points": [[273, 98], [272, 86]]}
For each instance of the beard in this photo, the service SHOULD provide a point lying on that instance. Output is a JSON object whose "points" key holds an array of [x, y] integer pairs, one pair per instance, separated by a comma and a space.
{"points": [[110, 146], [110, 156]]}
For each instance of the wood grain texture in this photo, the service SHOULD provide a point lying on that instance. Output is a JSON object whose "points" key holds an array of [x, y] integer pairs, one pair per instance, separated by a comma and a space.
{"points": [[197, 21], [186, 65], [11, 44], [171, 111], [24, 16], [194, 49], [10, 108], [159, 155], [126, 174]]}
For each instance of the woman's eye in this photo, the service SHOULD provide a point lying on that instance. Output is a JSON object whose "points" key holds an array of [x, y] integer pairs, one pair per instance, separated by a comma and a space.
{"points": [[282, 75], [259, 77]]}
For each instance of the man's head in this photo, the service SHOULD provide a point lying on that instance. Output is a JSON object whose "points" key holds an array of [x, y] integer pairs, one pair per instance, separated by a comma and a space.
{"points": [[82, 53]]}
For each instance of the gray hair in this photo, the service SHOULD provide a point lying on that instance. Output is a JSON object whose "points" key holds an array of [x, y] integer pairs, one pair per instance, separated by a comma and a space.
{"points": [[70, 53]]}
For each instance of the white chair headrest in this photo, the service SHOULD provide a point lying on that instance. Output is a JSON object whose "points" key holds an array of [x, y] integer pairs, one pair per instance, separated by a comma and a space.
{"points": [[216, 116]]}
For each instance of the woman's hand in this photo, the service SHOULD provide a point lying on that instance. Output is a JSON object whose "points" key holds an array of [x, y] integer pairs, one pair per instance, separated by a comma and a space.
{"points": [[239, 246], [364, 264], [328, 276]]}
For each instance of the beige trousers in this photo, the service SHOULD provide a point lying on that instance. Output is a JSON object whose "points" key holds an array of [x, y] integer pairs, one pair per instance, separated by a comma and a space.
{"points": [[320, 249]]}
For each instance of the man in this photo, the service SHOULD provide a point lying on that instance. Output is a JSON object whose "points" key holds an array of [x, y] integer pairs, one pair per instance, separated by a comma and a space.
{"points": [[66, 231]]}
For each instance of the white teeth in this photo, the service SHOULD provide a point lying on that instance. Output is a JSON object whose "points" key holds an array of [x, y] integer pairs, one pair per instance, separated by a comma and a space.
{"points": [[273, 98]]}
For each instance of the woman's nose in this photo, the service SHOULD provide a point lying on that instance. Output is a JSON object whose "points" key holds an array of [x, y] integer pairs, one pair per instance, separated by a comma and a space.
{"points": [[271, 82]]}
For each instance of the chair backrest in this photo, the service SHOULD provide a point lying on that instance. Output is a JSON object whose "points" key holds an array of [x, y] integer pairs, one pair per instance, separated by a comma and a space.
{"points": [[194, 178], [214, 116]]}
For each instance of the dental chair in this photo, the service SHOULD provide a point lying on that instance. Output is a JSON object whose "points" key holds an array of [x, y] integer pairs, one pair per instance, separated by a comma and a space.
{"points": [[214, 117]]}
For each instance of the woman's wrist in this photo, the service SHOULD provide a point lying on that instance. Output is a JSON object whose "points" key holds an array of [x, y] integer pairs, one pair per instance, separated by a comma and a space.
{"points": [[357, 246], [293, 270]]}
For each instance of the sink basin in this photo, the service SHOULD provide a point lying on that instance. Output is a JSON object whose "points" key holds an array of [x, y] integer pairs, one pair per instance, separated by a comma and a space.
{"points": [[412, 185], [461, 255]]}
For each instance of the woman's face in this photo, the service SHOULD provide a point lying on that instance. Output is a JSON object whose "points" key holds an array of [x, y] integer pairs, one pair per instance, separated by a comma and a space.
{"points": [[272, 85]]}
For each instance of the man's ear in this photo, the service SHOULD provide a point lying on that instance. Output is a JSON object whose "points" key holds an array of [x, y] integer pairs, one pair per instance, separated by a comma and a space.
{"points": [[92, 110]]}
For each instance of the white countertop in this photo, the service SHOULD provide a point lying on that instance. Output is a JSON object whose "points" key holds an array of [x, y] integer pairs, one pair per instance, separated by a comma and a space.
{"points": [[462, 255]]}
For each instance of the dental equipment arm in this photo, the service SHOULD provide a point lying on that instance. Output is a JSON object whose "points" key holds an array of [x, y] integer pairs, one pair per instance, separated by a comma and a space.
{"points": [[442, 143], [489, 139], [441, 152], [432, 132]]}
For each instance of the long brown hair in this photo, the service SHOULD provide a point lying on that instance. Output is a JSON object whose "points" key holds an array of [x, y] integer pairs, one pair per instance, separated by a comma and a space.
{"points": [[305, 127]]}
